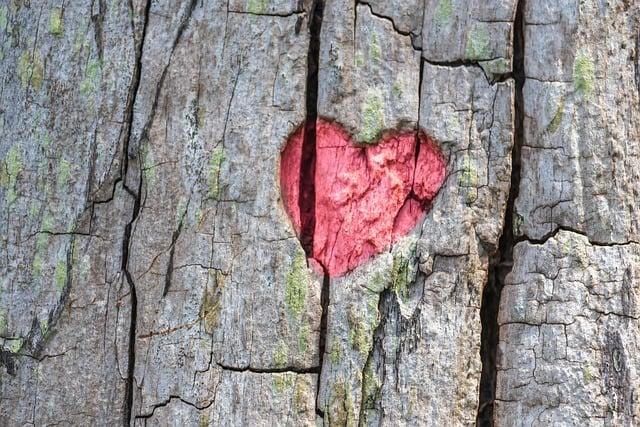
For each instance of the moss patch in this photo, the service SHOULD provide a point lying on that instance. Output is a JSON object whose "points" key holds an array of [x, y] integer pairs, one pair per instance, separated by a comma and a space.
{"points": [[478, 45], [56, 22], [3, 17], [303, 338], [257, 6], [342, 407], [13, 166], [64, 174], [60, 275], [212, 301], [400, 271], [281, 356], [297, 285], [91, 80], [217, 157], [583, 75], [283, 381], [31, 70], [469, 179], [555, 123], [336, 353], [372, 118], [358, 334], [443, 12], [374, 49]]}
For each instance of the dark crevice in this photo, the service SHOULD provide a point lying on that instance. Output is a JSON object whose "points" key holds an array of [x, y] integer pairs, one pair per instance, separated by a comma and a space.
{"points": [[322, 340], [135, 85], [307, 199], [552, 234], [169, 274], [307, 196], [291, 369], [98, 23], [501, 262]]}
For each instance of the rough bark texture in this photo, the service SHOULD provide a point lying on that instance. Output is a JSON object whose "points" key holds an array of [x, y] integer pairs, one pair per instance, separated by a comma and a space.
{"points": [[150, 273]]}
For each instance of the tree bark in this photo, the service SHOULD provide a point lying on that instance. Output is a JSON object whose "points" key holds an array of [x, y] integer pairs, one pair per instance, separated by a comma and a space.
{"points": [[151, 272]]}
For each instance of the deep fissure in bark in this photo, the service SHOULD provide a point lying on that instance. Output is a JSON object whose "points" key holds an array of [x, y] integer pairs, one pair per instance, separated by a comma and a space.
{"points": [[501, 262], [307, 196], [135, 85]]}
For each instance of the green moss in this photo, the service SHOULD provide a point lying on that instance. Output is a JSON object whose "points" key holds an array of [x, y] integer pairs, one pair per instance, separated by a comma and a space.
{"points": [[60, 275], [378, 283], [359, 60], [496, 66], [336, 353], [56, 22], [47, 223], [3, 17], [281, 356], [283, 381], [469, 179], [583, 75], [374, 49], [217, 157], [443, 12], [342, 406], [16, 345], [44, 327], [297, 285], [257, 6], [3, 322], [478, 43], [373, 118], [555, 123], [64, 173], [212, 301], [204, 419], [303, 338], [36, 266], [45, 140], [301, 395], [587, 375], [91, 81], [31, 70], [13, 166], [400, 276], [358, 334], [371, 386], [396, 90]]}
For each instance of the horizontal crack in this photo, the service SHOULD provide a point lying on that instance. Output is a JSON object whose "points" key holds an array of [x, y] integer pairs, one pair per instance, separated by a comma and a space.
{"points": [[312, 370], [554, 233]]}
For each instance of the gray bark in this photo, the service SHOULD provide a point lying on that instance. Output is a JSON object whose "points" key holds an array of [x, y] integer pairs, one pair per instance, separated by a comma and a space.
{"points": [[149, 273]]}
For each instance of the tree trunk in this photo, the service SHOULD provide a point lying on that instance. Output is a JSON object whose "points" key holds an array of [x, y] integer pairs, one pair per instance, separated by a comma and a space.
{"points": [[170, 256]]}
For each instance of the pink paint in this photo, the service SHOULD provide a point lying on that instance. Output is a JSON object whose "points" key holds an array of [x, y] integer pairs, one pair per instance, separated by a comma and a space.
{"points": [[366, 197]]}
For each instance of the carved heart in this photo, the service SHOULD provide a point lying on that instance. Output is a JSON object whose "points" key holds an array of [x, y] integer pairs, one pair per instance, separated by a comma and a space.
{"points": [[359, 199]]}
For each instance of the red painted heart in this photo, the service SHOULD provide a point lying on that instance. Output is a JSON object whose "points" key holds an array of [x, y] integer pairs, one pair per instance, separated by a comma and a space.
{"points": [[364, 198]]}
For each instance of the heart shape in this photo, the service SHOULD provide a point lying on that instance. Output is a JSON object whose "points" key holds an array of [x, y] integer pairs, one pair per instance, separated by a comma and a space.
{"points": [[363, 198]]}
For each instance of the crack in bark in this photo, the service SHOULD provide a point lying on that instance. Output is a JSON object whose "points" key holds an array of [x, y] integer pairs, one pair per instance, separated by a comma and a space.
{"points": [[128, 404], [501, 262], [306, 200], [290, 369], [552, 234]]}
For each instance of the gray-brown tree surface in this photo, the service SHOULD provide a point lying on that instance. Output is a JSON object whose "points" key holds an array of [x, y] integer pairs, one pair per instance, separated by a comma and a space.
{"points": [[149, 273]]}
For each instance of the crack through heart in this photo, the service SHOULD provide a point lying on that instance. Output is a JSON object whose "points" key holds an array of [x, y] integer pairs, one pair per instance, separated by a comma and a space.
{"points": [[349, 202]]}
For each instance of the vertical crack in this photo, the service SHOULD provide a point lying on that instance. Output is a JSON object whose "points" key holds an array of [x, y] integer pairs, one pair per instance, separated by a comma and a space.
{"points": [[501, 262], [135, 84], [307, 196]]}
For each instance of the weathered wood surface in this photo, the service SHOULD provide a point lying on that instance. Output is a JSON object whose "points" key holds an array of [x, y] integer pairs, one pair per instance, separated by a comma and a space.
{"points": [[149, 272]]}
